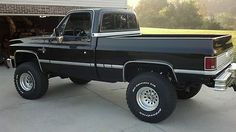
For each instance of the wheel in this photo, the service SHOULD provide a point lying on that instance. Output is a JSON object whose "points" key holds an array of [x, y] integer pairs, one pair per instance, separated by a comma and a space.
{"points": [[30, 81], [187, 92], [79, 81], [151, 97]]}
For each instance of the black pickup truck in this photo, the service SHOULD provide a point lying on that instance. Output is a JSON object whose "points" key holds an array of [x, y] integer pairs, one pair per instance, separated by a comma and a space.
{"points": [[106, 45]]}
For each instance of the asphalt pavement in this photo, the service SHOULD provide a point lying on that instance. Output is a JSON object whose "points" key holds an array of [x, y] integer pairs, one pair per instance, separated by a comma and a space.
{"points": [[101, 107]]}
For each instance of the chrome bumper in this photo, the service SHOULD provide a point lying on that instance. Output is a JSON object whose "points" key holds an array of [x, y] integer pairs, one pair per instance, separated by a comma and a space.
{"points": [[226, 79], [10, 63]]}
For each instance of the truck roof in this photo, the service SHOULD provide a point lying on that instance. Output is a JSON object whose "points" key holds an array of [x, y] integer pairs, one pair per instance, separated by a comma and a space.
{"points": [[98, 10]]}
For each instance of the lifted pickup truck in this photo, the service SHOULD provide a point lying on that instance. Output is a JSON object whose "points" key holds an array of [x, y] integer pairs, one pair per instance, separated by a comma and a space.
{"points": [[106, 45]]}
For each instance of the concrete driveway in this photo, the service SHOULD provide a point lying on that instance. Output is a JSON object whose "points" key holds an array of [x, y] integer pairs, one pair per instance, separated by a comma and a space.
{"points": [[101, 107]]}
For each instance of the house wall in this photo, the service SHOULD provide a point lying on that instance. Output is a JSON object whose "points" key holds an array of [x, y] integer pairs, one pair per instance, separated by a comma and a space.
{"points": [[81, 3], [53, 7]]}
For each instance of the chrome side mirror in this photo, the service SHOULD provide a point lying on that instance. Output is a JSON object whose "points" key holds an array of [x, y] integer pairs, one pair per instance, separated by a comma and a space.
{"points": [[59, 39]]}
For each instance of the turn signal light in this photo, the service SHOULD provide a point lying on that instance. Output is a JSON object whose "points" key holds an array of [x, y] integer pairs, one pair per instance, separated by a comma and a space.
{"points": [[210, 63]]}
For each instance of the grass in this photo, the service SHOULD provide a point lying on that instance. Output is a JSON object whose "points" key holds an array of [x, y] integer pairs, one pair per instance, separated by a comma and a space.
{"points": [[188, 31]]}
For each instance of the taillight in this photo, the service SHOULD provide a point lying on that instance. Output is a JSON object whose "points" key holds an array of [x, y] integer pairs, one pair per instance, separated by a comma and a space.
{"points": [[210, 63]]}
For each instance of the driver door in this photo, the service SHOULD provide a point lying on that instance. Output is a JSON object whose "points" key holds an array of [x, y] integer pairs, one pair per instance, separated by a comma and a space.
{"points": [[72, 55]]}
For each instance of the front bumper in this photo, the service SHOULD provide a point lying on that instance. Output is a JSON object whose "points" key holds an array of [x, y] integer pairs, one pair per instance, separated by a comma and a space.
{"points": [[226, 79], [10, 63]]}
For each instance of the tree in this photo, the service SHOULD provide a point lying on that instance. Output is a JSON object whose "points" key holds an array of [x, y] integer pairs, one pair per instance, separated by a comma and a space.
{"points": [[148, 10], [187, 15], [211, 23], [162, 14], [228, 21]]}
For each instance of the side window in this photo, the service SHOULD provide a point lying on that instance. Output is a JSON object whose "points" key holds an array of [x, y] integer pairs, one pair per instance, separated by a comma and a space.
{"points": [[132, 22], [62, 26], [77, 27], [118, 22]]}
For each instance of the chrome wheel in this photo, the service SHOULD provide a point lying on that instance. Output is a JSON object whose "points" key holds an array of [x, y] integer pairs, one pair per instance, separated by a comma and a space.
{"points": [[147, 98], [27, 81]]}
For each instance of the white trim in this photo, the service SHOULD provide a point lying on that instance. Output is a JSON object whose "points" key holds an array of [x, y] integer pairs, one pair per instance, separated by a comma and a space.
{"points": [[200, 72], [44, 61], [223, 36], [100, 65], [115, 33], [71, 63], [107, 66], [82, 64], [117, 66], [110, 66]]}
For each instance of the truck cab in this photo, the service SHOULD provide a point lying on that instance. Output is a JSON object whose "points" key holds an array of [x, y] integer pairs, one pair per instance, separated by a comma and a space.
{"points": [[76, 36]]}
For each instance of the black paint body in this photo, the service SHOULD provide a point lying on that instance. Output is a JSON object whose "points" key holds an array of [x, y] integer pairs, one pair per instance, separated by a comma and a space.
{"points": [[180, 51]]}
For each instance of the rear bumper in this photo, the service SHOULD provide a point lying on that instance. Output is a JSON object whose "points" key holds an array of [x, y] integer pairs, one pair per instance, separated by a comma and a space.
{"points": [[226, 79]]}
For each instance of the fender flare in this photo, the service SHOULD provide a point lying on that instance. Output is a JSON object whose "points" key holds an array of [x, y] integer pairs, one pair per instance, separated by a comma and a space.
{"points": [[157, 62], [28, 52]]}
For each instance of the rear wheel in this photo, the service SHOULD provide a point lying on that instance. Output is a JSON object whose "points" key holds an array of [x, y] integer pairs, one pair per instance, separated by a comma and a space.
{"points": [[30, 81], [188, 91], [151, 98], [79, 81]]}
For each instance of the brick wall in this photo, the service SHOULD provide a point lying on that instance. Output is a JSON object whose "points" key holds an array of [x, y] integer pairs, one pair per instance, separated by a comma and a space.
{"points": [[50, 10], [81, 3]]}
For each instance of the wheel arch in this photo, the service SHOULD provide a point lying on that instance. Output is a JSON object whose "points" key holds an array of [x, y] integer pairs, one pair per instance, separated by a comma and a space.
{"points": [[22, 56], [150, 63]]}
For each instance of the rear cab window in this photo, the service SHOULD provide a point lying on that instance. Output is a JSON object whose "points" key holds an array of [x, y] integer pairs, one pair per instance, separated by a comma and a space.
{"points": [[118, 22]]}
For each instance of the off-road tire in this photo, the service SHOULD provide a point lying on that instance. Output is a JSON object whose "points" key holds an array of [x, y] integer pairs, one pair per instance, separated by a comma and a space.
{"points": [[40, 79], [162, 87]]}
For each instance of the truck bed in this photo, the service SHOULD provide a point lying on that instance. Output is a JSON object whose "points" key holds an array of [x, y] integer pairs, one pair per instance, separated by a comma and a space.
{"points": [[220, 42], [193, 36], [176, 49]]}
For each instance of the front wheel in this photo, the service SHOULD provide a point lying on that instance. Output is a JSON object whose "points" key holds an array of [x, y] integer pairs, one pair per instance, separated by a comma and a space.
{"points": [[151, 97], [30, 81]]}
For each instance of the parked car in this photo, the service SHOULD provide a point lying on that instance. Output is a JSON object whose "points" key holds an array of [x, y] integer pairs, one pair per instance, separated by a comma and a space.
{"points": [[107, 45]]}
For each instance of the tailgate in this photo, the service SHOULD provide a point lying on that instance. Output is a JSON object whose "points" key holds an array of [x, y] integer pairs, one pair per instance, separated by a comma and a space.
{"points": [[222, 43], [223, 48]]}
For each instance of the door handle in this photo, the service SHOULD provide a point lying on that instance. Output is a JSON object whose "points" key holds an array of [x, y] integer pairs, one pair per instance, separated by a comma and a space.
{"points": [[43, 50]]}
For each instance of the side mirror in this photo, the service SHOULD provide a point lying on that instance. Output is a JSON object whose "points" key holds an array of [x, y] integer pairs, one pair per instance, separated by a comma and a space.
{"points": [[59, 38]]}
